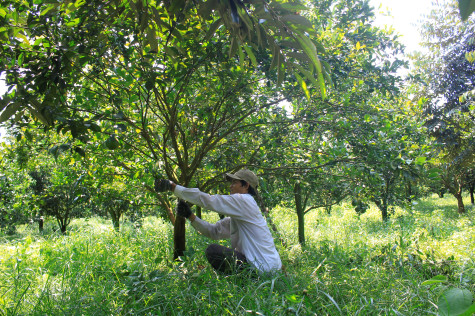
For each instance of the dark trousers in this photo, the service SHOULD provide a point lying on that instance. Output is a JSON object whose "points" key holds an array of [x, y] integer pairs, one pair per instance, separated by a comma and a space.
{"points": [[225, 260]]}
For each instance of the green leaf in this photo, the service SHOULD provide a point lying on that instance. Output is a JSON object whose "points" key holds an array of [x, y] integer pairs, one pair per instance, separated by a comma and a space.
{"points": [[80, 151], [73, 22], [44, 119], [299, 56], [421, 160], [241, 58], [309, 48], [245, 18], [212, 29], [293, 6], [20, 59], [466, 7], [309, 76], [48, 8], [63, 148], [94, 127], [207, 7], [326, 71], [234, 47], [152, 39], [4, 102], [470, 311], [433, 173], [454, 301], [293, 298], [150, 84], [275, 57], [9, 111], [176, 6], [280, 73], [436, 279], [470, 57], [251, 55], [112, 143], [54, 151], [171, 51], [261, 36], [299, 21], [303, 85]]}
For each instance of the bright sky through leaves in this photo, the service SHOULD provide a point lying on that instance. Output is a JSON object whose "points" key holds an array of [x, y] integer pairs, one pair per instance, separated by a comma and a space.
{"points": [[404, 16]]}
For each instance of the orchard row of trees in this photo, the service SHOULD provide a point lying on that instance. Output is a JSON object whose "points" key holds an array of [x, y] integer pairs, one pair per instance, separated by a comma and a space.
{"points": [[36, 184], [104, 97]]}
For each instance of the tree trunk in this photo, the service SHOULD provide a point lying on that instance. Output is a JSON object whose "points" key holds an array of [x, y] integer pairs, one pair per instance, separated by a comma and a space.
{"points": [[300, 212], [198, 211], [455, 187], [179, 239], [409, 192], [116, 224], [40, 224], [115, 220], [63, 227], [456, 191], [62, 223], [384, 204], [461, 206], [384, 212], [472, 188], [171, 215], [383, 207]]}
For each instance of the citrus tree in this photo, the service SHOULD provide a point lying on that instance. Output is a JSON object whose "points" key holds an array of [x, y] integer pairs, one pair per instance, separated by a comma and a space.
{"points": [[392, 148], [49, 46], [161, 90], [17, 201], [115, 202], [313, 160], [447, 71]]}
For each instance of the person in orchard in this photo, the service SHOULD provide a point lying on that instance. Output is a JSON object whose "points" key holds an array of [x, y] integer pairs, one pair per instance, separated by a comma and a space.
{"points": [[251, 240]]}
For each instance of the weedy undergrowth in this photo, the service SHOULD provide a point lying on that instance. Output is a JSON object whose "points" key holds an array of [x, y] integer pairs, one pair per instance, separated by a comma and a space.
{"points": [[419, 263]]}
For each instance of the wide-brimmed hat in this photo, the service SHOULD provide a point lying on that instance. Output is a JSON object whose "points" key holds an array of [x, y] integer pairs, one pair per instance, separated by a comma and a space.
{"points": [[246, 175]]}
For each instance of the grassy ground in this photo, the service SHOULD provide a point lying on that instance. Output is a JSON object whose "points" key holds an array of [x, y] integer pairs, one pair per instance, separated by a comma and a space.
{"points": [[349, 266]]}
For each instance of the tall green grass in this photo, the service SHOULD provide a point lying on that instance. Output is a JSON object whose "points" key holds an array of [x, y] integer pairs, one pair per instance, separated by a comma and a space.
{"points": [[350, 265]]}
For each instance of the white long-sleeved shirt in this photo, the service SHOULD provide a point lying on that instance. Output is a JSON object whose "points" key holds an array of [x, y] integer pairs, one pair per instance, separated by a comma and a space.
{"points": [[245, 225]]}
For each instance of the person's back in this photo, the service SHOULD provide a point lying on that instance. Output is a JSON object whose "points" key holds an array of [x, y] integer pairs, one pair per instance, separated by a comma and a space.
{"points": [[255, 240]]}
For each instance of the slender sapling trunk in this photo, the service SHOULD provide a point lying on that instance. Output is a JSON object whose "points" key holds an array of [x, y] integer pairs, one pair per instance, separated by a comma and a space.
{"points": [[300, 212]]}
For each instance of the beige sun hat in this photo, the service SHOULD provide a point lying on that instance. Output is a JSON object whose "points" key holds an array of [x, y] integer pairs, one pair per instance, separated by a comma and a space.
{"points": [[246, 175]]}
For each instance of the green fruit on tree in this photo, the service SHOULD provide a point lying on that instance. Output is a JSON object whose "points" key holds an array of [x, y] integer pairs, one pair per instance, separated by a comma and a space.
{"points": [[112, 143]]}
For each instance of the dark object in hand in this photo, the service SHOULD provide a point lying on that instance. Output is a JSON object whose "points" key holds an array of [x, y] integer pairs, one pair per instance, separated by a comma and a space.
{"points": [[183, 209], [162, 185]]}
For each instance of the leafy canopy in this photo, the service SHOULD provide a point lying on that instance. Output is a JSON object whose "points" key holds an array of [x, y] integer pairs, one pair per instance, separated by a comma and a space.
{"points": [[48, 45]]}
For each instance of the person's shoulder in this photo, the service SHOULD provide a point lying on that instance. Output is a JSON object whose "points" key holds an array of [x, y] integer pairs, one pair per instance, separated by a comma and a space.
{"points": [[245, 196], [249, 200], [245, 200]]}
